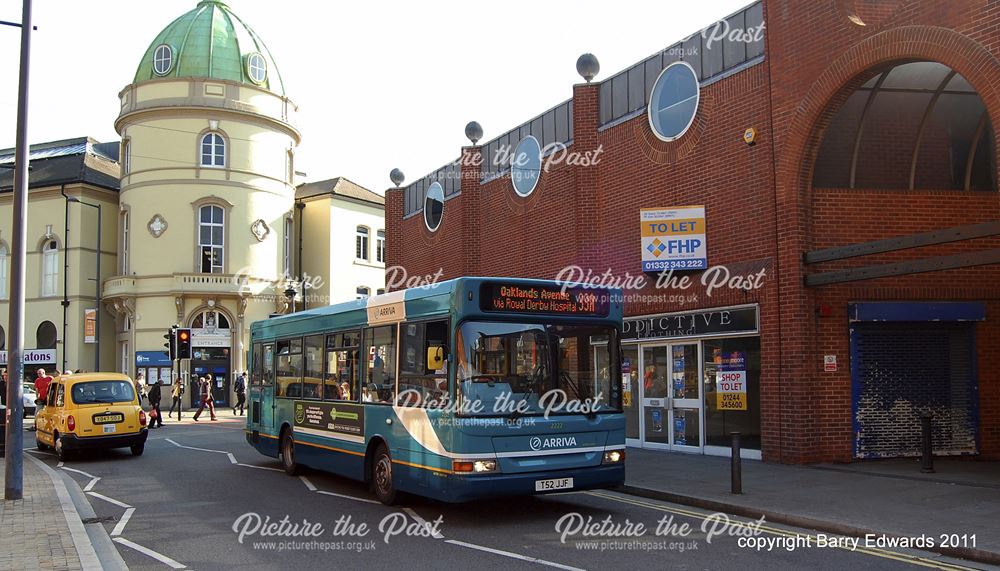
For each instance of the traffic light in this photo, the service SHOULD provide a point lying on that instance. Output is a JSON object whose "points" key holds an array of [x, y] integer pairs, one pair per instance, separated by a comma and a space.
{"points": [[171, 344], [183, 343]]}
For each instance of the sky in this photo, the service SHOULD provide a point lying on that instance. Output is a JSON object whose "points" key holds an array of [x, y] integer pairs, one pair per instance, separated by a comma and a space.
{"points": [[378, 84]]}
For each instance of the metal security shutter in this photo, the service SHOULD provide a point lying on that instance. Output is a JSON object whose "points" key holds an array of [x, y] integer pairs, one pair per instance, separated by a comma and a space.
{"points": [[902, 369]]}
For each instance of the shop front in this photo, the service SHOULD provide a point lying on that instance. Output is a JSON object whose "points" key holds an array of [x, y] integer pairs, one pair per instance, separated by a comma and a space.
{"points": [[693, 378], [155, 366]]}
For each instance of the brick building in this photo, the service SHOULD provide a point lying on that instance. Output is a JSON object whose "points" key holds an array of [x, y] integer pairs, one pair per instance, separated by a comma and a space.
{"points": [[841, 160]]}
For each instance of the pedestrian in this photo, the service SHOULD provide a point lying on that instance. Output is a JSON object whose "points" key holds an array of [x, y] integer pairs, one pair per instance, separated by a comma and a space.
{"points": [[205, 388], [155, 414], [3, 388], [176, 393], [140, 387], [241, 393], [42, 381]]}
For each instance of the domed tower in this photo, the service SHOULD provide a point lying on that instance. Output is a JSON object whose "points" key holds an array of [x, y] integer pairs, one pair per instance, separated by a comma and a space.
{"points": [[207, 193]]}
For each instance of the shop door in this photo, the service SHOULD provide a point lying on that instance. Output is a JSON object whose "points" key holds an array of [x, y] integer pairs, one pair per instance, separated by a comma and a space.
{"points": [[671, 397], [631, 381]]}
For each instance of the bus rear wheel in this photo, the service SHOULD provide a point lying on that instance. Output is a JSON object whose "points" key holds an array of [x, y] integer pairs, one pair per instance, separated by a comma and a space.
{"points": [[288, 453], [381, 476]]}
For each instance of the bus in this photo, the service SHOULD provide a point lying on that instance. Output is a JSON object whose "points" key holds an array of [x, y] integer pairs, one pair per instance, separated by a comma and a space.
{"points": [[462, 389]]}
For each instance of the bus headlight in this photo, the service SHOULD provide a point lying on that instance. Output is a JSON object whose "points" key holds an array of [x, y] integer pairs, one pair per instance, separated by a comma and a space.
{"points": [[614, 457], [476, 466]]}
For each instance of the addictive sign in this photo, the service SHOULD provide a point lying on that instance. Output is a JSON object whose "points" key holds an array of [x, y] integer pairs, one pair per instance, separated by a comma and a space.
{"points": [[731, 382], [673, 239], [544, 299]]}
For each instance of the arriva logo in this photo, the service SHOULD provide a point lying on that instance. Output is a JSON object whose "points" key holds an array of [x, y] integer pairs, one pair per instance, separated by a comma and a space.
{"points": [[537, 443]]}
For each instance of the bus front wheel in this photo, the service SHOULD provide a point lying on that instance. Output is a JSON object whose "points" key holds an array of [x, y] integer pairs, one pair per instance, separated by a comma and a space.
{"points": [[288, 453], [381, 476]]}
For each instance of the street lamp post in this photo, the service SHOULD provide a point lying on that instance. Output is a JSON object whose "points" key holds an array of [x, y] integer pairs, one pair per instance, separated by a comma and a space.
{"points": [[97, 285]]}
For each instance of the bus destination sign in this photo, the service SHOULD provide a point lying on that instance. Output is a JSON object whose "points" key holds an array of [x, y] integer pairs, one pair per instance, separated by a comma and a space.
{"points": [[553, 300]]}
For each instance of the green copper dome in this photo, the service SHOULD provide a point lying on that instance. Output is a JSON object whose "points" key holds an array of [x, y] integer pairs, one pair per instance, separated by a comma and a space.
{"points": [[210, 41]]}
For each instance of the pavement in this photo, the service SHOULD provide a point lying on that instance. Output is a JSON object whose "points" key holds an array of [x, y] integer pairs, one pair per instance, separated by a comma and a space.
{"points": [[885, 498]]}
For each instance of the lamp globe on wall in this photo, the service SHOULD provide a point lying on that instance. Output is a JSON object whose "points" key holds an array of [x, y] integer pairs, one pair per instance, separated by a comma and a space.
{"points": [[474, 131], [397, 177], [588, 67]]}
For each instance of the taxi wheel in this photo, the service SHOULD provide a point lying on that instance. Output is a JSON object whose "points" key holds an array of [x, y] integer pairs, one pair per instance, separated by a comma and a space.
{"points": [[137, 449], [288, 453], [381, 476]]}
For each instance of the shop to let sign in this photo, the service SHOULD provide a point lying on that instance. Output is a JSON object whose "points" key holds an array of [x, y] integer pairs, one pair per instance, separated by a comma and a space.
{"points": [[731, 382], [673, 239]]}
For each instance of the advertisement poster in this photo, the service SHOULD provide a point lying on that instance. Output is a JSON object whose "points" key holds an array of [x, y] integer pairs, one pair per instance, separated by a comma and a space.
{"points": [[731, 381], [673, 239], [680, 429], [89, 325], [344, 419]]}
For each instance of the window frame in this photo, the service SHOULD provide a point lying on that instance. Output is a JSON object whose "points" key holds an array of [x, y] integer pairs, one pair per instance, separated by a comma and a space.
{"points": [[380, 246], [220, 141], [199, 251], [343, 347], [368, 335], [362, 235], [4, 270], [446, 322], [286, 253], [49, 253], [252, 59], [359, 295], [158, 57], [652, 101]]}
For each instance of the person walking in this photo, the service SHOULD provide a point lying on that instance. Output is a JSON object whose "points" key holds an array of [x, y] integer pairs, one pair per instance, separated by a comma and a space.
{"points": [[205, 391], [176, 393], [140, 387], [155, 414], [3, 388], [241, 393], [42, 382]]}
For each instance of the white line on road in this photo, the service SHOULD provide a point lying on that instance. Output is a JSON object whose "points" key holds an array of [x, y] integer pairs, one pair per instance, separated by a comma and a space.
{"points": [[512, 555], [91, 484], [81, 472], [93, 479], [110, 500], [260, 467], [423, 522], [232, 459], [308, 484], [149, 552], [198, 449], [365, 500], [122, 522]]}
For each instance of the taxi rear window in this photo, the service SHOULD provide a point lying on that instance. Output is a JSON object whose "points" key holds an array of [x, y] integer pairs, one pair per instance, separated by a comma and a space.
{"points": [[92, 392]]}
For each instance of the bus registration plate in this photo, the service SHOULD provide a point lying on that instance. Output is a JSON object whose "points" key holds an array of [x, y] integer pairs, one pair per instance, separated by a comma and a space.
{"points": [[554, 484]]}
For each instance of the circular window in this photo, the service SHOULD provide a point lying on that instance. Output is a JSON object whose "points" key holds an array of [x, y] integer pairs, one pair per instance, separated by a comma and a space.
{"points": [[434, 206], [526, 166], [256, 68], [163, 59], [674, 101]]}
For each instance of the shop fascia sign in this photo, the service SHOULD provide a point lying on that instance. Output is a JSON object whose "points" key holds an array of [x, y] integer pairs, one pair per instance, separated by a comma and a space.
{"points": [[217, 338], [706, 323], [32, 357]]}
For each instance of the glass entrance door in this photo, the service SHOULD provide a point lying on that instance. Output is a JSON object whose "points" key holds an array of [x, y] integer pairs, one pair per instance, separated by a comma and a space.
{"points": [[669, 394]]}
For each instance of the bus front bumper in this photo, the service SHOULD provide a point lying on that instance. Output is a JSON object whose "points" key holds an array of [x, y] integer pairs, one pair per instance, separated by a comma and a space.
{"points": [[462, 488]]}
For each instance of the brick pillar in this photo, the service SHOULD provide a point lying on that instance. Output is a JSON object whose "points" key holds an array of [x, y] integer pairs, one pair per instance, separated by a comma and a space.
{"points": [[589, 230], [393, 232], [470, 169]]}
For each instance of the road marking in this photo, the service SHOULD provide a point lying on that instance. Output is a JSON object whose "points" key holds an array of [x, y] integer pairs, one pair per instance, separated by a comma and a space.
{"points": [[873, 551], [308, 484], [232, 459], [346, 497], [93, 479], [423, 522], [60, 464], [260, 467], [198, 449], [90, 486], [122, 522], [512, 555], [110, 500], [149, 552]]}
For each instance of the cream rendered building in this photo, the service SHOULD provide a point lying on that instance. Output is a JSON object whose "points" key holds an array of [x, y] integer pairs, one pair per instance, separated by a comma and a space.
{"points": [[207, 185]]}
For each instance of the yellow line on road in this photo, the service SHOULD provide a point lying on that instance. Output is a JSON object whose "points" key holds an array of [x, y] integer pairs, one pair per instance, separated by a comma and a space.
{"points": [[875, 552]]}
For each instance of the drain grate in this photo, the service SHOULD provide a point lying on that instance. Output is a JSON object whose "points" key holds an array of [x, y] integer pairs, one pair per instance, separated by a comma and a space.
{"points": [[108, 519]]}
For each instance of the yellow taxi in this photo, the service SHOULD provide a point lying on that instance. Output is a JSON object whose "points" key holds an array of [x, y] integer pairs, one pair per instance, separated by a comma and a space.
{"points": [[91, 410]]}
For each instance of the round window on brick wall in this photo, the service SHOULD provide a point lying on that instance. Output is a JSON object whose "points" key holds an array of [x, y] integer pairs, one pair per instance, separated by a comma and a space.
{"points": [[526, 166], [673, 102], [434, 206]]}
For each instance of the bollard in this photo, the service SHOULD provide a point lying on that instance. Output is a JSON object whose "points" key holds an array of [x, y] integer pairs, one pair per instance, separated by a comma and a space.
{"points": [[927, 466], [737, 469]]}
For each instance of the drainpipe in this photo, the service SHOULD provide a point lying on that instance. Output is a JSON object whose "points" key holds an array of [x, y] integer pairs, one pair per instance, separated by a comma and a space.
{"points": [[65, 299], [300, 206]]}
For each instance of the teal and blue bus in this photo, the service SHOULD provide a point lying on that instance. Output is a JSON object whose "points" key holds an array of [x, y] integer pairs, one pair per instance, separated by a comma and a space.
{"points": [[464, 389]]}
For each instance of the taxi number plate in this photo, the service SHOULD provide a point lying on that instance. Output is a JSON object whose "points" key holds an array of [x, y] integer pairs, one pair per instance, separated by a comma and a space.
{"points": [[108, 418], [554, 484], [109, 428]]}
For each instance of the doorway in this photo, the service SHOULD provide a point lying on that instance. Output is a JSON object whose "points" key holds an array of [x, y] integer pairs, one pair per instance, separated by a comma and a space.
{"points": [[663, 395]]}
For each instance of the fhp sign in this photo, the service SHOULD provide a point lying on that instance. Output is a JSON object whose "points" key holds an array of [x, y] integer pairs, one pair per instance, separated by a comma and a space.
{"points": [[673, 239]]}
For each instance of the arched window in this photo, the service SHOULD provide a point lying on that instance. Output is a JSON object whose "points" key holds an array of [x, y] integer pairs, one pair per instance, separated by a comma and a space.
{"points": [[213, 150], [363, 292], [125, 245], [361, 244], [46, 335], [126, 156], [211, 238], [50, 268], [3, 340], [4, 270], [211, 320], [380, 247]]}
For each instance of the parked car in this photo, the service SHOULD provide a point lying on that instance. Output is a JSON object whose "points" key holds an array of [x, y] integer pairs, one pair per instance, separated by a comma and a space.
{"points": [[28, 398], [91, 410]]}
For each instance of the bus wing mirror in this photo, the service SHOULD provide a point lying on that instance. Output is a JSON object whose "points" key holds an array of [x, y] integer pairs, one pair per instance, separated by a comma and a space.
{"points": [[435, 357]]}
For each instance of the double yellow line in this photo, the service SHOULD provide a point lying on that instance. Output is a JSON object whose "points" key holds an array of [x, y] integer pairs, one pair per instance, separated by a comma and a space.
{"points": [[875, 552]]}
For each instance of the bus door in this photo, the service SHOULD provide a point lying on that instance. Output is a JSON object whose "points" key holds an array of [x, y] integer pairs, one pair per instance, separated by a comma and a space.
{"points": [[262, 389]]}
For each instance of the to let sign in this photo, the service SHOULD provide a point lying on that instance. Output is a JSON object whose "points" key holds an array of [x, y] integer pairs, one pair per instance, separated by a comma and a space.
{"points": [[673, 239]]}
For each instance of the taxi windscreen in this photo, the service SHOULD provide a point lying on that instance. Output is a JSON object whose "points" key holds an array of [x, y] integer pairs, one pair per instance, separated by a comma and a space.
{"points": [[103, 392]]}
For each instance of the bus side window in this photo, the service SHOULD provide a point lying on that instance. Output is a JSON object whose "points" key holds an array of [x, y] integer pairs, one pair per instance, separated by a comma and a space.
{"points": [[341, 375], [420, 385], [258, 356], [267, 370]]}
